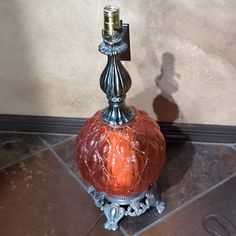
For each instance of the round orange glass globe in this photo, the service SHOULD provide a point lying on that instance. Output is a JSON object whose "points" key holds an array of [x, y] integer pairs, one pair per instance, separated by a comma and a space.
{"points": [[121, 160]]}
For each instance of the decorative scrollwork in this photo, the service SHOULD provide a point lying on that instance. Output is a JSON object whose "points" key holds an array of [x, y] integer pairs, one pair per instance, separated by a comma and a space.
{"points": [[116, 208], [114, 213], [98, 197], [136, 208]]}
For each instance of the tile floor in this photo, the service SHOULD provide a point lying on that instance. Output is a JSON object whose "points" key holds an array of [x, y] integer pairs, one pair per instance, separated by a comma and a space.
{"points": [[43, 194]]}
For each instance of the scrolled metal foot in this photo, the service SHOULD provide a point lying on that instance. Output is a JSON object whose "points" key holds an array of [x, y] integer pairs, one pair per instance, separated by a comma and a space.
{"points": [[154, 202], [115, 208], [114, 213], [160, 206]]}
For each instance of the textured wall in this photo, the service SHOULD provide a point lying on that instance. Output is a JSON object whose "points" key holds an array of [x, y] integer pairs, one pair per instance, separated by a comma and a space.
{"points": [[183, 58]]}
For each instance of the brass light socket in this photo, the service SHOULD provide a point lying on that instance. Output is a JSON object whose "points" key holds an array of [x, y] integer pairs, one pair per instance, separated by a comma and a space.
{"points": [[112, 23]]}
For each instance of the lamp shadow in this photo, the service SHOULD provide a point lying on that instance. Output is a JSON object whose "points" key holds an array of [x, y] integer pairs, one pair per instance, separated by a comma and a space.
{"points": [[179, 153], [164, 104]]}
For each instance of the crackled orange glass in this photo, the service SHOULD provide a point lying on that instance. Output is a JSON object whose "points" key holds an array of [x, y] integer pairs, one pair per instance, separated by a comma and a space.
{"points": [[121, 160]]}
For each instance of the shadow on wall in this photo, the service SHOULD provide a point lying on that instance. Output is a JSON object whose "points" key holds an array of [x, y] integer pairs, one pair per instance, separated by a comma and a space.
{"points": [[164, 104], [179, 153]]}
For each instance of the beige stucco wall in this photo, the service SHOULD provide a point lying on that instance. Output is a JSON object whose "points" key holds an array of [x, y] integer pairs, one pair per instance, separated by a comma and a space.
{"points": [[49, 63]]}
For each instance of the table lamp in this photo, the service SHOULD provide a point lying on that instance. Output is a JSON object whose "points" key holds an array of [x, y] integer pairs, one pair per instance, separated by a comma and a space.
{"points": [[120, 149]]}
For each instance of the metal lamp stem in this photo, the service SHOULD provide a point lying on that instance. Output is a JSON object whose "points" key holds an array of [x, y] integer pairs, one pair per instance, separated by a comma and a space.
{"points": [[115, 80]]}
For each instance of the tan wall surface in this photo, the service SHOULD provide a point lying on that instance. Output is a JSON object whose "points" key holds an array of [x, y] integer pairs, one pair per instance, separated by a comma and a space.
{"points": [[183, 58]]}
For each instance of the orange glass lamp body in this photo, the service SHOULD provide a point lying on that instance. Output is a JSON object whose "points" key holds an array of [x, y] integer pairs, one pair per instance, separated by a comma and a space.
{"points": [[120, 150], [121, 160]]}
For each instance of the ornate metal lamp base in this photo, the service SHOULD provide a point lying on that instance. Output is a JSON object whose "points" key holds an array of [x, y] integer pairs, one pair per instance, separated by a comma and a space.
{"points": [[116, 207]]}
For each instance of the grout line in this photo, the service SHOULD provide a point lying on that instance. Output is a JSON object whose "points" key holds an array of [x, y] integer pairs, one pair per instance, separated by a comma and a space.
{"points": [[61, 142], [229, 145], [123, 231], [210, 143], [233, 146], [184, 205], [24, 158], [69, 170], [199, 142], [63, 163], [55, 144]]}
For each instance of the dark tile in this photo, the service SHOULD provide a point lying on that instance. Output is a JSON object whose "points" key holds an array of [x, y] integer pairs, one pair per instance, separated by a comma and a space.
{"points": [[191, 169], [39, 197], [212, 214], [15, 147], [53, 139]]}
